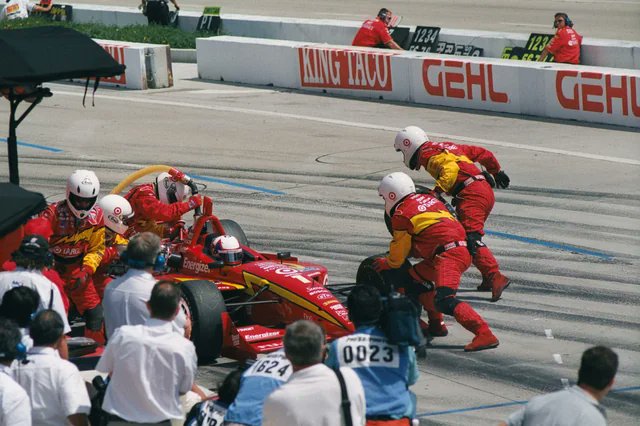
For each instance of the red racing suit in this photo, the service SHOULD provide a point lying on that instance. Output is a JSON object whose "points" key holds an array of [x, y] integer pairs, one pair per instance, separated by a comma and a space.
{"points": [[565, 46], [373, 33], [149, 211], [452, 166], [76, 243], [424, 228], [114, 245]]}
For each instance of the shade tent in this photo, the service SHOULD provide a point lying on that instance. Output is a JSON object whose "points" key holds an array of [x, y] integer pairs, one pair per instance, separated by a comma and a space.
{"points": [[32, 56], [18, 205]]}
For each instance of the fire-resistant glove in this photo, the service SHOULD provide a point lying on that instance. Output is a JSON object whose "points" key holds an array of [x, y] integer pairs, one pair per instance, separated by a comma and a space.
{"points": [[381, 264], [502, 180], [489, 179], [80, 277], [195, 201]]}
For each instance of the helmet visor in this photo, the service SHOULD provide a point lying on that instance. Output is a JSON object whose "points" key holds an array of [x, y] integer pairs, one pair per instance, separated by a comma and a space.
{"points": [[232, 257], [81, 203]]}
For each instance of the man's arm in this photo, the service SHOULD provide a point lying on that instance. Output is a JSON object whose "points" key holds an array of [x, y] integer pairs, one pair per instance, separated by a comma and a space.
{"points": [[391, 44], [38, 8], [175, 4]]}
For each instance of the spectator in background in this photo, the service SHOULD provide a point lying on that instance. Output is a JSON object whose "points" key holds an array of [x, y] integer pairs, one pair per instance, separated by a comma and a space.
{"points": [[565, 46], [20, 9], [56, 388], [31, 258], [386, 377], [20, 304], [125, 298], [150, 365], [212, 411], [313, 394], [15, 407], [157, 11], [375, 32], [256, 385], [578, 405]]}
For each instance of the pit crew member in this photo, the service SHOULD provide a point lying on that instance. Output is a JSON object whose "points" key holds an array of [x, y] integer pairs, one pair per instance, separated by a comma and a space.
{"points": [[565, 45], [77, 244], [375, 32], [385, 370], [117, 213], [423, 228], [20, 9], [159, 206], [452, 166]]}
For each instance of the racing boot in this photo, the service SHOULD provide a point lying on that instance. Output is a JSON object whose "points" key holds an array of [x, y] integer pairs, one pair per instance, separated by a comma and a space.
{"points": [[485, 285], [436, 326], [498, 283], [472, 321]]}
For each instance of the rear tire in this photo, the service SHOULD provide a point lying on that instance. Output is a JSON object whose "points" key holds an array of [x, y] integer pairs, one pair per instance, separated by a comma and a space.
{"points": [[231, 227], [206, 305]]}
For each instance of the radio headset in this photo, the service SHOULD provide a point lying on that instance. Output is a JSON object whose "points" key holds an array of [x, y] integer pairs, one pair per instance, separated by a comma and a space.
{"points": [[158, 264], [568, 22], [19, 353]]}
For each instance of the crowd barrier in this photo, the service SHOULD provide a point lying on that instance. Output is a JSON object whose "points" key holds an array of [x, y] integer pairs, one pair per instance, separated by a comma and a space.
{"points": [[589, 94], [148, 65], [596, 52]]}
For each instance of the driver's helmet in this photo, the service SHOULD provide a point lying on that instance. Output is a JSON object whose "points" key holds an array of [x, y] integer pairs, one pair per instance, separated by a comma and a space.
{"points": [[394, 188], [169, 190], [227, 248], [117, 213], [407, 141], [82, 192]]}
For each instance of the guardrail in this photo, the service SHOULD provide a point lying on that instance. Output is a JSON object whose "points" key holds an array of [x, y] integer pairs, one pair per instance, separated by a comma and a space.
{"points": [[589, 94]]}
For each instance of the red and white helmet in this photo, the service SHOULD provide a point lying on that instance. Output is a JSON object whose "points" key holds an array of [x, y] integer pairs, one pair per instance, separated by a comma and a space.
{"points": [[227, 247], [408, 140], [83, 187], [117, 211], [171, 191], [394, 187]]}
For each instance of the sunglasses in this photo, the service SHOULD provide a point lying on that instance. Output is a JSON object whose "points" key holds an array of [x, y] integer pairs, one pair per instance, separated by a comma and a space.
{"points": [[558, 20]]}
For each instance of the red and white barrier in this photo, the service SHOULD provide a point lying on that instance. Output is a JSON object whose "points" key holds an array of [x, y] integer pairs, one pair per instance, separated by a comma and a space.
{"points": [[590, 94]]}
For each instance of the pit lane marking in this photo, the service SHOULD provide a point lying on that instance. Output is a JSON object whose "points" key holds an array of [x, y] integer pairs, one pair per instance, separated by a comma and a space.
{"points": [[36, 146], [359, 125]]}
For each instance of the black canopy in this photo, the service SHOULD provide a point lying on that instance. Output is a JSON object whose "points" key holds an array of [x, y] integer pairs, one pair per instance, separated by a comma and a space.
{"points": [[18, 205], [40, 54], [32, 56]]}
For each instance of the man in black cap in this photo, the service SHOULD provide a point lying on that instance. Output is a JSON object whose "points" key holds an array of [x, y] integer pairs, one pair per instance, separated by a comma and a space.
{"points": [[31, 258]]}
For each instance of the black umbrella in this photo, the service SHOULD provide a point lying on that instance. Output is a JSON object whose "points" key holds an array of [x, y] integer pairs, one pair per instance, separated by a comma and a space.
{"points": [[32, 56], [18, 205]]}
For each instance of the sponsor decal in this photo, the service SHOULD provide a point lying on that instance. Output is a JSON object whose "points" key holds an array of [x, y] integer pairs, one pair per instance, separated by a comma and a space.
{"points": [[196, 267], [325, 295], [117, 210], [461, 80], [263, 336], [117, 52], [344, 69], [235, 339], [330, 302], [597, 92]]}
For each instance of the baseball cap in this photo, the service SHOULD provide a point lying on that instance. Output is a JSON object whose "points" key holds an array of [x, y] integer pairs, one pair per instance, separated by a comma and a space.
{"points": [[34, 247]]}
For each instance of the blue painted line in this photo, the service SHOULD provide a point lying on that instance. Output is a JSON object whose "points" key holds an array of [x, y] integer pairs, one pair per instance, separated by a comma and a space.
{"points": [[32, 145], [238, 185], [504, 404], [565, 247]]}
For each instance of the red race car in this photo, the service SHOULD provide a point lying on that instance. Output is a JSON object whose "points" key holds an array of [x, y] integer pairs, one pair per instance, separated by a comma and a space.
{"points": [[241, 311]]}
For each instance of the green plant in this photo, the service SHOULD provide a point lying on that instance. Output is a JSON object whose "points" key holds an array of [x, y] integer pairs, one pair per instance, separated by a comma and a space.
{"points": [[153, 34]]}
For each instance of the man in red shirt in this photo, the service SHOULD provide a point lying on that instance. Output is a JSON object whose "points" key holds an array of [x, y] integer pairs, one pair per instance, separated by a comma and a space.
{"points": [[375, 32], [423, 228], [565, 46]]}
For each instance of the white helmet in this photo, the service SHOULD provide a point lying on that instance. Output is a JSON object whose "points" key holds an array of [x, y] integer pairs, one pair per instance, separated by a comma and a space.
{"points": [[117, 211], [408, 140], [82, 192], [169, 190], [228, 248], [394, 187]]}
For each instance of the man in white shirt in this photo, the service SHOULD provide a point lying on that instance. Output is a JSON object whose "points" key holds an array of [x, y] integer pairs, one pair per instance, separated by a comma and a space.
{"points": [[150, 365], [578, 405], [56, 388], [31, 258], [312, 396], [15, 408], [20, 9], [125, 298]]}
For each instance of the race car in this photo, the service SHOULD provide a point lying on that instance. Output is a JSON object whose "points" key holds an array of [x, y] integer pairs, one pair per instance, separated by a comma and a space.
{"points": [[241, 311]]}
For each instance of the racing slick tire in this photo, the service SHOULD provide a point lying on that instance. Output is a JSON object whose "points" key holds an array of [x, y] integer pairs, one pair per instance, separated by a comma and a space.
{"points": [[231, 227], [366, 275], [206, 305]]}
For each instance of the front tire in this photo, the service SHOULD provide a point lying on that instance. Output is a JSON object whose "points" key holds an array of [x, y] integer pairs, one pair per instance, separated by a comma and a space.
{"points": [[206, 306], [366, 275]]}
